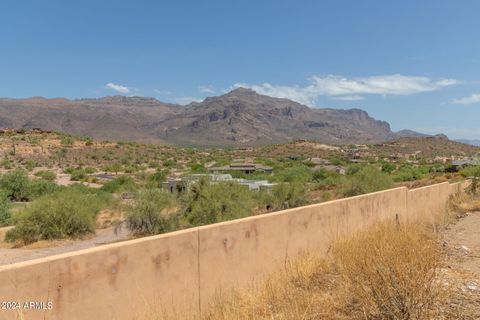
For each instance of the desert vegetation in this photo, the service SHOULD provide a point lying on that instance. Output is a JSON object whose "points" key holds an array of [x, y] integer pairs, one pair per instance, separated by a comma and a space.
{"points": [[41, 169], [68, 212]]}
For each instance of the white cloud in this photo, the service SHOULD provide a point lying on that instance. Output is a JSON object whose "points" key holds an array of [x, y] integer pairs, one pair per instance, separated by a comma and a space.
{"points": [[118, 88], [186, 100], [474, 98], [348, 98], [344, 88], [206, 89]]}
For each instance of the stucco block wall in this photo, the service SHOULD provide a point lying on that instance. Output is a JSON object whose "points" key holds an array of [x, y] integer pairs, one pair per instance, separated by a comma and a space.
{"points": [[426, 202], [239, 252], [182, 271], [118, 281]]}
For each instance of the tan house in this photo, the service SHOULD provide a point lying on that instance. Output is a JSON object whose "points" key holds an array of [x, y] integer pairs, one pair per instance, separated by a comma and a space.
{"points": [[246, 167]]}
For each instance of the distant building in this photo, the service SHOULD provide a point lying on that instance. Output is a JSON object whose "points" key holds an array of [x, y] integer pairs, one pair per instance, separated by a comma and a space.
{"points": [[181, 184], [104, 176], [336, 169], [353, 154], [239, 165], [174, 184], [462, 163], [318, 161], [331, 168]]}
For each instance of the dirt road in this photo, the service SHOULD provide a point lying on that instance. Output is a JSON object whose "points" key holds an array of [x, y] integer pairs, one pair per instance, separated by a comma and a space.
{"points": [[102, 236]]}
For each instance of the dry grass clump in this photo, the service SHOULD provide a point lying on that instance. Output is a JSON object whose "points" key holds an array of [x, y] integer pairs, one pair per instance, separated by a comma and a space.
{"points": [[306, 288], [392, 270], [389, 271], [461, 203]]}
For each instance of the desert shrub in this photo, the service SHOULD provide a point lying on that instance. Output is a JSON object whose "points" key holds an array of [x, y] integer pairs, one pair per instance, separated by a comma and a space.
{"points": [[155, 179], [66, 140], [6, 163], [69, 212], [323, 177], [208, 202], [68, 170], [30, 164], [326, 196], [296, 173], [367, 179], [88, 141], [78, 174], [287, 195], [408, 173], [38, 188], [388, 167], [300, 290], [169, 163], [197, 168], [472, 172], [46, 175], [337, 161], [5, 205], [115, 167], [319, 175], [16, 185], [90, 170], [122, 183], [147, 214], [392, 270], [131, 168]]}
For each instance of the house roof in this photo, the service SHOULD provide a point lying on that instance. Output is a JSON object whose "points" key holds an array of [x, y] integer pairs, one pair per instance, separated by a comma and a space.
{"points": [[464, 162], [241, 166]]}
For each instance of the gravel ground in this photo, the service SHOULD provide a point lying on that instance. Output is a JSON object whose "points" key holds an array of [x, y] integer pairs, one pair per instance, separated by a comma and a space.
{"points": [[102, 236]]}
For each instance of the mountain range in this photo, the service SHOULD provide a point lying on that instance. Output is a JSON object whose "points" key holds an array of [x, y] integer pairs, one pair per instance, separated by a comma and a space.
{"points": [[473, 142], [239, 118]]}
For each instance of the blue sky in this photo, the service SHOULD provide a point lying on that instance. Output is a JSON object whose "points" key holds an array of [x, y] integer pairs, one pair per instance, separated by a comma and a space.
{"points": [[415, 64]]}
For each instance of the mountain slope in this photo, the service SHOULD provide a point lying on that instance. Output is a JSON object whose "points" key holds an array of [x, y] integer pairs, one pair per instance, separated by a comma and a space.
{"points": [[473, 142], [243, 117], [240, 117], [107, 118]]}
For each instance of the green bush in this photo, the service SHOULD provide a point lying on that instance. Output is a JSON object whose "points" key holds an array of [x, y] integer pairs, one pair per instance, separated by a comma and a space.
{"points": [[38, 188], [78, 174], [208, 202], [288, 195], [408, 173], [70, 212], [6, 164], [4, 208], [120, 184], [114, 167], [472, 172], [367, 179], [30, 164], [90, 170], [388, 167], [197, 168], [145, 216], [46, 175], [16, 185], [155, 179], [67, 140], [324, 177], [296, 173]]}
